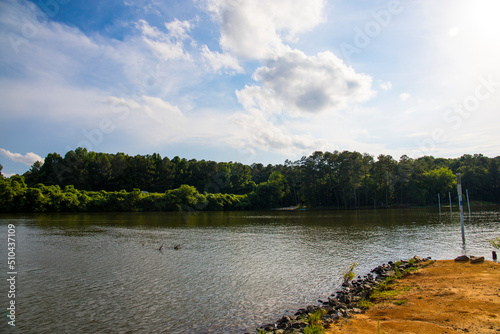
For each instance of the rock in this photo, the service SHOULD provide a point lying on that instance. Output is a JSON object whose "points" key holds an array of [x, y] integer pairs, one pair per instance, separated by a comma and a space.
{"points": [[311, 309], [333, 301], [390, 273], [463, 258], [476, 259], [299, 324], [417, 259], [356, 310], [345, 313], [301, 312], [269, 328], [340, 306]]}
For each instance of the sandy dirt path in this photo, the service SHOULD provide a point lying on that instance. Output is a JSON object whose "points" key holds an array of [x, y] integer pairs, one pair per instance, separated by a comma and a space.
{"points": [[445, 297]]}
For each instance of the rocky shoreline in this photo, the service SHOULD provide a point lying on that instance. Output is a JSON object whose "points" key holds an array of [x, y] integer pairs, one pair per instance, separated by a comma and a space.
{"points": [[344, 302]]}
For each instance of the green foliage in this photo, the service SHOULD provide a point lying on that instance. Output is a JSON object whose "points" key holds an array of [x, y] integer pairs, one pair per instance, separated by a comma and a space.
{"points": [[314, 322], [365, 303], [383, 293], [314, 329], [495, 242], [15, 196], [401, 302], [378, 327], [342, 179], [349, 275], [315, 317]]}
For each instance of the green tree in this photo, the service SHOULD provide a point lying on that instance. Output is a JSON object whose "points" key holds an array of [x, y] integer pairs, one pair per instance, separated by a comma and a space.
{"points": [[437, 181]]}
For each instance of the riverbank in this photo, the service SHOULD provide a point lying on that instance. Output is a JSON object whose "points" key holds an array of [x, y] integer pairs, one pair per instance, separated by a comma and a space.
{"points": [[444, 297], [414, 296]]}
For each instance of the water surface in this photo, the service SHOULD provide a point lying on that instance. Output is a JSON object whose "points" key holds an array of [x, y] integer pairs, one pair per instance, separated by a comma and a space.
{"points": [[233, 271]]}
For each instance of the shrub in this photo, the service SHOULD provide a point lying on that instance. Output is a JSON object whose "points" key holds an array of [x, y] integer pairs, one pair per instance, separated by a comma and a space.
{"points": [[349, 274], [495, 242]]}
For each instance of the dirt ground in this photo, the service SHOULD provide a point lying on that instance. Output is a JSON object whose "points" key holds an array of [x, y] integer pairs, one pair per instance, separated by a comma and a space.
{"points": [[445, 297]]}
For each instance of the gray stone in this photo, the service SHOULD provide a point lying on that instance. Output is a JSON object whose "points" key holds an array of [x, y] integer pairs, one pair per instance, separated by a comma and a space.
{"points": [[463, 258], [476, 259], [345, 313], [390, 273], [299, 324], [417, 259]]}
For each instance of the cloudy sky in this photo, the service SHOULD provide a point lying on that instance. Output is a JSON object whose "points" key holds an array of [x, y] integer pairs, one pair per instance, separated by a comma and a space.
{"points": [[248, 80]]}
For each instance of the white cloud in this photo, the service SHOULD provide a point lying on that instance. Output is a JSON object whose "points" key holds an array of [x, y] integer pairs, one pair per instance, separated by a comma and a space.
{"points": [[153, 122], [255, 29], [255, 131], [166, 45], [178, 29], [309, 84], [218, 61], [404, 96], [27, 159], [386, 85]]}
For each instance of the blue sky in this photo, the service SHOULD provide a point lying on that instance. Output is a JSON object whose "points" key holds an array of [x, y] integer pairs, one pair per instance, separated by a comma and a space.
{"points": [[248, 80]]}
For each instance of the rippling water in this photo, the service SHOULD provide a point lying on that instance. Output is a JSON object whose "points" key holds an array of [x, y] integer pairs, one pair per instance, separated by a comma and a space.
{"points": [[234, 271]]}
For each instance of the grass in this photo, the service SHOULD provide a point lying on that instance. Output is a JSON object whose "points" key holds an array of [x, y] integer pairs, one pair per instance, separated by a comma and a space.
{"points": [[385, 290], [401, 302], [314, 321], [495, 242], [383, 294], [378, 327], [315, 318], [365, 304], [314, 329], [349, 274]]}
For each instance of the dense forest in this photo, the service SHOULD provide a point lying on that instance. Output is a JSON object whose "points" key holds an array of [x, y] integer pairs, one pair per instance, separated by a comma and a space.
{"points": [[90, 181]]}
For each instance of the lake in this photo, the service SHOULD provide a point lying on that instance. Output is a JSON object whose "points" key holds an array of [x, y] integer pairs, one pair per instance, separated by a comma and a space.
{"points": [[232, 271]]}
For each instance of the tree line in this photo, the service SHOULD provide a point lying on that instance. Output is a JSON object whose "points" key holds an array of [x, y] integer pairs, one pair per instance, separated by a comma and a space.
{"points": [[91, 181]]}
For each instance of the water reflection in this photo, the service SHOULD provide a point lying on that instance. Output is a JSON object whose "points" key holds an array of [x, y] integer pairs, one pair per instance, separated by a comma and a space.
{"points": [[233, 271]]}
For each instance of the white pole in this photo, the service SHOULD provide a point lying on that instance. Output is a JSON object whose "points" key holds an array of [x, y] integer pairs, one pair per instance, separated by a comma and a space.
{"points": [[451, 209], [439, 203], [468, 203], [459, 189]]}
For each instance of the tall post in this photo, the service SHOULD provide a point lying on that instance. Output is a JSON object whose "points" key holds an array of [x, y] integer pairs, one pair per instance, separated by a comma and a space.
{"points": [[468, 203], [451, 209], [439, 203], [459, 189]]}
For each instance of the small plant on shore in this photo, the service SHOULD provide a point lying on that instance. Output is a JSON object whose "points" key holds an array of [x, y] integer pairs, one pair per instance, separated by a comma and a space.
{"points": [[314, 322], [401, 302], [314, 329], [378, 327], [398, 274], [315, 317], [383, 294], [349, 274], [365, 304], [495, 242]]}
